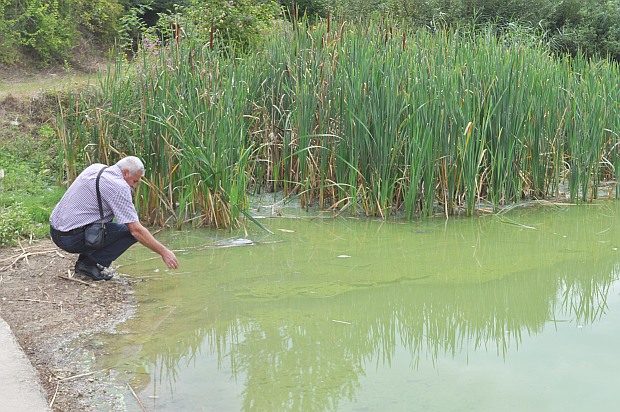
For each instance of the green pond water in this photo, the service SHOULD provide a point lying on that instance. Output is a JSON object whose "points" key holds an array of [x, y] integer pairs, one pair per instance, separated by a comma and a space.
{"points": [[512, 312]]}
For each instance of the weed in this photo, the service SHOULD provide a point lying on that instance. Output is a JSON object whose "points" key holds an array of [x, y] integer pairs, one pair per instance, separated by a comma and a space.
{"points": [[15, 221], [28, 192]]}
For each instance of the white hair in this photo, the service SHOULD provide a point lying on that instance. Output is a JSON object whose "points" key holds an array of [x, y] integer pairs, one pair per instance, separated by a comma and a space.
{"points": [[132, 164]]}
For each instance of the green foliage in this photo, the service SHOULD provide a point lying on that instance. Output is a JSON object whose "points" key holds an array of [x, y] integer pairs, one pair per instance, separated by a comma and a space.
{"points": [[359, 10], [132, 27], [28, 192], [30, 163], [591, 26], [310, 9], [431, 13], [9, 42], [43, 29], [15, 221], [19, 176], [97, 18], [159, 6], [24, 215], [236, 25], [48, 30], [531, 12]]}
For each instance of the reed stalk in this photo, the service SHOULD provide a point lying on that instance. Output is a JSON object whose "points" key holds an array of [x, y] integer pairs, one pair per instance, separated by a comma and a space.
{"points": [[381, 120]]}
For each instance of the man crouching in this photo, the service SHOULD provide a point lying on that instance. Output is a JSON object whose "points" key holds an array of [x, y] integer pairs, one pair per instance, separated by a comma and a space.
{"points": [[79, 208]]}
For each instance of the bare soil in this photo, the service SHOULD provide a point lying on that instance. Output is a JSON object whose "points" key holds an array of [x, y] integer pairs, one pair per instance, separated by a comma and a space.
{"points": [[48, 307]]}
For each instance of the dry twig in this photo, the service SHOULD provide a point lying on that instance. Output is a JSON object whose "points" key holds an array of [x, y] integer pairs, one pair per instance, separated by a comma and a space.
{"points": [[60, 380], [23, 255], [135, 395], [55, 393], [81, 375], [75, 280]]}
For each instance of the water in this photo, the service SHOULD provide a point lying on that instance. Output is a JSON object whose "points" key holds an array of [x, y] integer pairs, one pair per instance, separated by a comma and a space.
{"points": [[513, 312]]}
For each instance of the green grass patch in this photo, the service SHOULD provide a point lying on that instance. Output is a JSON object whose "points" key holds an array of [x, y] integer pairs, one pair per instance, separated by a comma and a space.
{"points": [[28, 190]]}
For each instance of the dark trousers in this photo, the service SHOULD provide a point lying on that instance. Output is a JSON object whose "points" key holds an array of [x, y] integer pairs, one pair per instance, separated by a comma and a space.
{"points": [[118, 240]]}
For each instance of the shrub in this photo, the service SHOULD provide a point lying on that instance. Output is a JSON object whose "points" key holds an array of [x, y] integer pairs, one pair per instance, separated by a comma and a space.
{"points": [[239, 25], [49, 30], [311, 9], [591, 27]]}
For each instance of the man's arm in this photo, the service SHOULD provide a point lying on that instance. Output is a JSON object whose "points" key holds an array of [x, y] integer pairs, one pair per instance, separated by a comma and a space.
{"points": [[145, 237]]}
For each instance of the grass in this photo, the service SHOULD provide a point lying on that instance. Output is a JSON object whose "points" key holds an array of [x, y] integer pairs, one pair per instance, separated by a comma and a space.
{"points": [[28, 189], [38, 83]]}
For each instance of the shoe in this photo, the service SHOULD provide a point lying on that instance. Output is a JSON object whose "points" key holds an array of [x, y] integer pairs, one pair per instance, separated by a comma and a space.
{"points": [[92, 271]]}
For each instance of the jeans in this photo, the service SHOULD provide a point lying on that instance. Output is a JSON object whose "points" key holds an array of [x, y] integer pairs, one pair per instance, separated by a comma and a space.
{"points": [[118, 240]]}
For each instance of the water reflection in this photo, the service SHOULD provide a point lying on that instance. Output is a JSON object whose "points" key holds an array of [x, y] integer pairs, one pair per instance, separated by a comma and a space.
{"points": [[298, 320]]}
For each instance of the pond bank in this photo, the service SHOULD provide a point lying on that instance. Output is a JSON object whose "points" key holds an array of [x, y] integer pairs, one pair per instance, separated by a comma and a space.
{"points": [[47, 309]]}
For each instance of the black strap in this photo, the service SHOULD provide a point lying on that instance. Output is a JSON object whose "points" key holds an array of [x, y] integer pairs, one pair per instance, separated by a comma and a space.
{"points": [[99, 193]]}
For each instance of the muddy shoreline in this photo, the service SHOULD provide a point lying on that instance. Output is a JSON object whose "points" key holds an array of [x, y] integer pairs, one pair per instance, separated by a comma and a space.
{"points": [[48, 308]]}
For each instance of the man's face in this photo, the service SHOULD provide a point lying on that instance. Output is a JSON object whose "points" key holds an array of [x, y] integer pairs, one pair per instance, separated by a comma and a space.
{"points": [[132, 179]]}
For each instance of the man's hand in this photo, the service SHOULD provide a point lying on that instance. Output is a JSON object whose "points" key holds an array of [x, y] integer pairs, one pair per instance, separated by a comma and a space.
{"points": [[146, 238], [170, 259]]}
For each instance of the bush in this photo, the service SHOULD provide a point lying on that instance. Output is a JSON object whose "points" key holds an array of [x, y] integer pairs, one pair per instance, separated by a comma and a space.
{"points": [[49, 30], [236, 25], [310, 9], [27, 196], [591, 27], [9, 42], [26, 163], [28, 217]]}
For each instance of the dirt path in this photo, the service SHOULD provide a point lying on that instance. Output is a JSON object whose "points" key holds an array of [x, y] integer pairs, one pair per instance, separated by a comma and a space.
{"points": [[23, 82], [46, 308]]}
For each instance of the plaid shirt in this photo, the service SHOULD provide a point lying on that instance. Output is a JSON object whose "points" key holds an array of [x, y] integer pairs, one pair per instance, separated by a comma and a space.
{"points": [[78, 207]]}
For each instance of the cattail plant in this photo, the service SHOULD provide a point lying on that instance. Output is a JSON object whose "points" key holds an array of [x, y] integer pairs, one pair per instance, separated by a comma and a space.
{"points": [[378, 120]]}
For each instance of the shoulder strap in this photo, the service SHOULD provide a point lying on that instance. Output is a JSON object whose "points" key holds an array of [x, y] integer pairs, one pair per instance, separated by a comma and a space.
{"points": [[99, 193]]}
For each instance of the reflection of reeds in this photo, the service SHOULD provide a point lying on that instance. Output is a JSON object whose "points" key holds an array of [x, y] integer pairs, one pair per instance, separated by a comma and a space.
{"points": [[585, 297], [281, 350], [356, 118], [279, 340]]}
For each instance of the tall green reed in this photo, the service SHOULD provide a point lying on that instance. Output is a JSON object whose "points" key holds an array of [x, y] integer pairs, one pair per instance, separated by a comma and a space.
{"points": [[380, 120], [448, 119], [184, 112]]}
